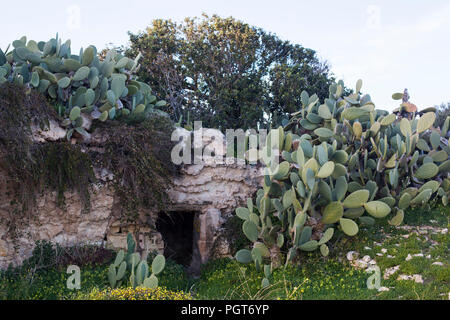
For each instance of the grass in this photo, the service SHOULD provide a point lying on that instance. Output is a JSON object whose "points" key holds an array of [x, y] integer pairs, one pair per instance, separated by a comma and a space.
{"points": [[314, 278]]}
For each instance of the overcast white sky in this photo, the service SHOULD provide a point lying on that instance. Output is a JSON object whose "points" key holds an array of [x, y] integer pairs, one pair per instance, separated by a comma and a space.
{"points": [[391, 45]]}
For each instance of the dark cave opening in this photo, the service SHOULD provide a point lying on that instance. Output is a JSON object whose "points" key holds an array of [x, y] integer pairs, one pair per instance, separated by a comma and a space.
{"points": [[177, 230]]}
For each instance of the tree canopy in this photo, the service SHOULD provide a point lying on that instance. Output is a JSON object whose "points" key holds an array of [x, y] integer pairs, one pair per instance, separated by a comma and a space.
{"points": [[225, 72]]}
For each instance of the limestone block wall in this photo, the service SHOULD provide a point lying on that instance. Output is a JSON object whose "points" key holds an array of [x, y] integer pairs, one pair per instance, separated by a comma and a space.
{"points": [[213, 191]]}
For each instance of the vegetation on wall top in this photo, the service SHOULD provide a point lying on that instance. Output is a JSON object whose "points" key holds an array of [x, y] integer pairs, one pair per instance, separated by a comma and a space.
{"points": [[225, 72], [344, 164]]}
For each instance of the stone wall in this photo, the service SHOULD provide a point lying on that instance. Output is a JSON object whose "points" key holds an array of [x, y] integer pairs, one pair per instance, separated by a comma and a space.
{"points": [[213, 191]]}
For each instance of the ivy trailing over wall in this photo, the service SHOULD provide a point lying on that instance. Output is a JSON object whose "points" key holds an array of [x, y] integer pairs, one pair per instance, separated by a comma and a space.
{"points": [[139, 157], [137, 153]]}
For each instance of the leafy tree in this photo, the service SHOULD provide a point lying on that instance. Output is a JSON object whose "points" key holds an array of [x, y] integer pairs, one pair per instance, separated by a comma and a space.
{"points": [[225, 72]]}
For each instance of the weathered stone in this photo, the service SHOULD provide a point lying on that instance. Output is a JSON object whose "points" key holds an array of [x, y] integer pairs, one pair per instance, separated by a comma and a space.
{"points": [[352, 255], [211, 190]]}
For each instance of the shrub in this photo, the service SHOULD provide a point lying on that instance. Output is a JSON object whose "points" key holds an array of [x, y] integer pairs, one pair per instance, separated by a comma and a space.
{"points": [[100, 87], [137, 293]]}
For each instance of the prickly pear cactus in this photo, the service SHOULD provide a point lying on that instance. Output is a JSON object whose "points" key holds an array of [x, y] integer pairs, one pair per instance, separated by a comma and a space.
{"points": [[342, 164], [82, 84], [139, 271]]}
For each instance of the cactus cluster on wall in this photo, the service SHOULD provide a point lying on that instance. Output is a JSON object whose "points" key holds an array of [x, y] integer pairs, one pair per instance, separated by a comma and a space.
{"points": [[101, 88], [138, 270], [343, 165]]}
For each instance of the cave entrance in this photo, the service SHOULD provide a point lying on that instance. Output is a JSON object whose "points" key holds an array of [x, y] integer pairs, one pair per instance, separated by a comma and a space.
{"points": [[177, 231]]}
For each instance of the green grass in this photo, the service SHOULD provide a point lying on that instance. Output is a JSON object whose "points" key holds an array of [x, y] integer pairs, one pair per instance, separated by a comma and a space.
{"points": [[334, 278], [314, 277]]}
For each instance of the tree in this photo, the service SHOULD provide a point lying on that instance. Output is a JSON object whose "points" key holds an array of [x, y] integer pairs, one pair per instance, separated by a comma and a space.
{"points": [[225, 72]]}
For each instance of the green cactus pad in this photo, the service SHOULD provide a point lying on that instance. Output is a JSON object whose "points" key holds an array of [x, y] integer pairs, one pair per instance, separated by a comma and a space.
{"points": [[377, 209], [326, 170], [119, 258], [349, 227], [324, 250], [243, 213], [425, 122], [422, 197], [397, 219], [250, 230], [427, 171], [244, 256], [262, 249], [324, 132], [309, 246], [151, 282], [356, 199], [332, 213], [328, 234], [81, 74]]}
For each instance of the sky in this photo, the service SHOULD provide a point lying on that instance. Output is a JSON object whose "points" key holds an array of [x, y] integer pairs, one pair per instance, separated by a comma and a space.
{"points": [[390, 45]]}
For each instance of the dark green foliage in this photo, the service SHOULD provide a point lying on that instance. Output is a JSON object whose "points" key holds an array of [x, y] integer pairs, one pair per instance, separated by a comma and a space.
{"points": [[225, 72], [343, 163], [139, 156], [32, 167]]}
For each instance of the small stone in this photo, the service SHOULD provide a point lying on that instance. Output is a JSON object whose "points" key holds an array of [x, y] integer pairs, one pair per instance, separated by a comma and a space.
{"points": [[367, 248], [418, 255], [390, 257], [372, 262], [366, 259], [437, 263], [379, 254], [416, 277], [428, 256], [381, 289], [409, 257], [390, 271], [384, 250], [352, 255], [444, 231]]}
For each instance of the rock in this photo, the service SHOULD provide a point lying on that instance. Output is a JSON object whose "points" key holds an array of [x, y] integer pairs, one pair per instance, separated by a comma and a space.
{"points": [[383, 289], [409, 257], [437, 263], [213, 191], [352, 255], [384, 250], [366, 259], [367, 248], [390, 271], [415, 277]]}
